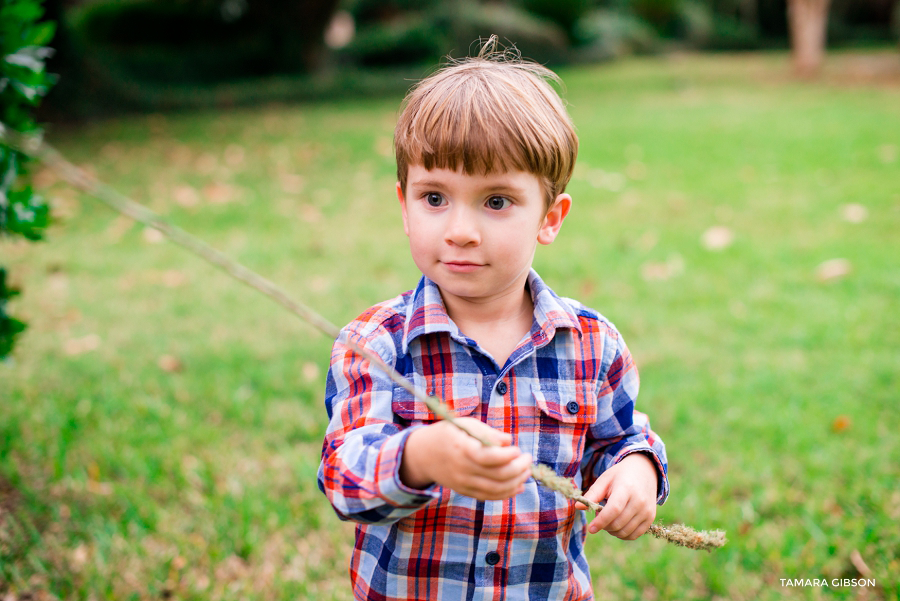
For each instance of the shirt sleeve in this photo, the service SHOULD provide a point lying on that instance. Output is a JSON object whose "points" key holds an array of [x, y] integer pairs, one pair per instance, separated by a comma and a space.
{"points": [[363, 448], [621, 430]]}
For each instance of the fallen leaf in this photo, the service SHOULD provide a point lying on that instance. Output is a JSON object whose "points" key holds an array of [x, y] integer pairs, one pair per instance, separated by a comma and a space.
{"points": [[45, 178], [218, 193], [80, 556], [172, 278], [99, 488], [608, 180], [127, 282], [292, 183], [718, 237], [841, 423], [587, 289], [833, 269], [64, 207], [118, 228], [234, 155], [647, 241], [319, 283], [636, 170], [153, 236], [58, 284], [170, 364], [655, 271], [310, 213], [186, 196], [854, 213], [310, 371], [79, 346], [180, 156], [206, 163]]}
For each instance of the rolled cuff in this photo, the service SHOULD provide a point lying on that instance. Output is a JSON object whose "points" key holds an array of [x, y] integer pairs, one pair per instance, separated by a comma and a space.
{"points": [[390, 488], [662, 479]]}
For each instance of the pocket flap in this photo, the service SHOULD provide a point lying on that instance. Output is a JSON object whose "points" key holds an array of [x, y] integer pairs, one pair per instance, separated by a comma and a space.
{"points": [[568, 402], [461, 394]]}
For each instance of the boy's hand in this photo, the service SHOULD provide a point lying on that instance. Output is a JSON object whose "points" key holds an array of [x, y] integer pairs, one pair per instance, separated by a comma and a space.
{"points": [[630, 490], [442, 453]]}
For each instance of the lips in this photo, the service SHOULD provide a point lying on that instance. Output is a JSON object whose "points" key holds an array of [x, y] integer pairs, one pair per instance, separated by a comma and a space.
{"points": [[461, 266]]}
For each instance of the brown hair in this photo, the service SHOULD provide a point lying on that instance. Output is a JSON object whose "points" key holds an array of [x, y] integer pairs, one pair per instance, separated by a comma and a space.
{"points": [[493, 112]]}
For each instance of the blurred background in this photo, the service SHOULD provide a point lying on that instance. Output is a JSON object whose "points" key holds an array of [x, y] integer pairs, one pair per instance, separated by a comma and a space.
{"points": [[736, 215], [151, 55]]}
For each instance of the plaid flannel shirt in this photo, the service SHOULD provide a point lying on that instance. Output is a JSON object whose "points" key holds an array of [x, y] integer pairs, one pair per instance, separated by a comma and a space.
{"points": [[566, 394]]}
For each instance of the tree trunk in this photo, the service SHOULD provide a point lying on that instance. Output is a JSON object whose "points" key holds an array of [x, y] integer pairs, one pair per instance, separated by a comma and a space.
{"points": [[808, 22]]}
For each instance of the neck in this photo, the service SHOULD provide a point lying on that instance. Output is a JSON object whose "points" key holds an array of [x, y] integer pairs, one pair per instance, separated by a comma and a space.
{"points": [[503, 309], [497, 325]]}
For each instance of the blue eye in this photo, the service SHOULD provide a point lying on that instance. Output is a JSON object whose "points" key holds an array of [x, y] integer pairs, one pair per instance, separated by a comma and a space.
{"points": [[497, 203], [434, 200]]}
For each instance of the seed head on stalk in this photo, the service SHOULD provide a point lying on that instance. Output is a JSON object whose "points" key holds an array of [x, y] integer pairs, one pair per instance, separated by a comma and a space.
{"points": [[677, 534]]}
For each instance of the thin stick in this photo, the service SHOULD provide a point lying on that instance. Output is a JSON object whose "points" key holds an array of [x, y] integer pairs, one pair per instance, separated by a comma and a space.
{"points": [[37, 148]]}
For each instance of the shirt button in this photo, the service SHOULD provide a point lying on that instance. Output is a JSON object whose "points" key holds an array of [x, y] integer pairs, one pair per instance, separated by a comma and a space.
{"points": [[572, 407], [492, 558], [501, 387]]}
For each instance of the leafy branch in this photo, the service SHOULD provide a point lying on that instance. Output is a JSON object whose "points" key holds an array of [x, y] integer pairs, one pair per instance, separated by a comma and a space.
{"points": [[24, 81]]}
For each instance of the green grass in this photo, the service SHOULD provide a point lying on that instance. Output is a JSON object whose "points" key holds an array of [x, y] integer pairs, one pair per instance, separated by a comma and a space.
{"points": [[775, 392]]}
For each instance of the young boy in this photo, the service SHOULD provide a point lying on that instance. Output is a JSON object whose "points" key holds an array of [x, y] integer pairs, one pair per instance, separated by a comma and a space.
{"points": [[484, 151]]}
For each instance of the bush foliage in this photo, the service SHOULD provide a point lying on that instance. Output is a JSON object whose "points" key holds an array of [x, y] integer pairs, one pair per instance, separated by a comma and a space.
{"points": [[23, 82]]}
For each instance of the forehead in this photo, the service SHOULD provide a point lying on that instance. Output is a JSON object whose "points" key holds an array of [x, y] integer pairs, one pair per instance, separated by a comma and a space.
{"points": [[518, 182]]}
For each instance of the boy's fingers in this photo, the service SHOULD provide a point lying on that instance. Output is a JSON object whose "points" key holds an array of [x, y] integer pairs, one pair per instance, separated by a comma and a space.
{"points": [[487, 489], [633, 529], [493, 457], [598, 492], [517, 470], [611, 512], [479, 428]]}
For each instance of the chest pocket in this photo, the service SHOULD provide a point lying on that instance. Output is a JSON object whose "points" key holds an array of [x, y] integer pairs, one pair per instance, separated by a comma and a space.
{"points": [[567, 410], [460, 393]]}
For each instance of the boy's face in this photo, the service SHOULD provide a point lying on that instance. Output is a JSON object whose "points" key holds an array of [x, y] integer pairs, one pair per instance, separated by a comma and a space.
{"points": [[475, 235]]}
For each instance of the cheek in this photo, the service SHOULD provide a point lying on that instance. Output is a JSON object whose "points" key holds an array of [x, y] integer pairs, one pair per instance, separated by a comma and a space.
{"points": [[420, 241]]}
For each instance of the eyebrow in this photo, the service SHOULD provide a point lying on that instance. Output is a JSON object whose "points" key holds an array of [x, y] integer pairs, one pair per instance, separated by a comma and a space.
{"points": [[493, 189], [425, 184]]}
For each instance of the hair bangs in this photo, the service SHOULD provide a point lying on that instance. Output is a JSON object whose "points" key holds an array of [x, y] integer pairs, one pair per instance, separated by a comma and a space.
{"points": [[485, 116]]}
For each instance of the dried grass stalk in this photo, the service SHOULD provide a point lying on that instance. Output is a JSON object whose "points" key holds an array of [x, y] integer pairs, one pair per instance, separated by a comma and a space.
{"points": [[678, 534]]}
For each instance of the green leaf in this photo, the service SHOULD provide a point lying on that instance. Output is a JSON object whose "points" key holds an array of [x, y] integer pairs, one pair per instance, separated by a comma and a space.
{"points": [[24, 11], [41, 34], [23, 82], [10, 327], [30, 57], [27, 214]]}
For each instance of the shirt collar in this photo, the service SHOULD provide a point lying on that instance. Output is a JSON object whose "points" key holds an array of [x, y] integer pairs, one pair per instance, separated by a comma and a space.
{"points": [[426, 313]]}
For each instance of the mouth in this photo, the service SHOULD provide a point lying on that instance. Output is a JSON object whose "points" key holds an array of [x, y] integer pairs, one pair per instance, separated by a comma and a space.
{"points": [[461, 266]]}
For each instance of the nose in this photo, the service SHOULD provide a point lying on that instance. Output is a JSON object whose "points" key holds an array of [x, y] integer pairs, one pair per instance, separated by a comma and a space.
{"points": [[462, 227]]}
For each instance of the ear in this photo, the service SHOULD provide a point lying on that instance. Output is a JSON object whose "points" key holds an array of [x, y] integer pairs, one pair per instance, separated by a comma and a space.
{"points": [[402, 200], [554, 219]]}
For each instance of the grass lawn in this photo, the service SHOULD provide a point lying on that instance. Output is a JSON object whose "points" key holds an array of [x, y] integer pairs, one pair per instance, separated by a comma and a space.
{"points": [[160, 426]]}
